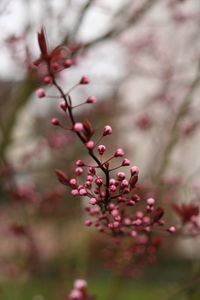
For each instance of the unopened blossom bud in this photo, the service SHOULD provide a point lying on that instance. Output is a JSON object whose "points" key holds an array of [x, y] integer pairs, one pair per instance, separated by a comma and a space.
{"points": [[119, 152], [79, 284], [118, 218], [112, 181], [67, 63], [171, 229], [115, 224], [91, 100], [55, 66], [93, 201], [138, 222], [99, 181], [121, 175], [107, 130], [40, 93], [47, 79], [78, 171], [89, 178], [133, 233], [111, 205], [75, 295], [88, 184], [150, 201], [82, 192], [78, 127], [55, 122], [134, 170], [115, 212], [73, 181], [101, 149], [124, 183], [127, 221], [112, 188], [126, 162], [63, 105], [75, 192], [90, 144], [84, 80], [88, 223], [80, 163]]}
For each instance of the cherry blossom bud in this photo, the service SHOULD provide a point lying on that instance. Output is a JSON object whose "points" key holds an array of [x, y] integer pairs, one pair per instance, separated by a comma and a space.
{"points": [[119, 152], [78, 127], [88, 223], [90, 144], [133, 233], [75, 295], [134, 170], [112, 188], [47, 79], [112, 181], [75, 192], [111, 205], [67, 63], [124, 183], [91, 100], [171, 229], [114, 212], [63, 105], [150, 201], [116, 224], [84, 80], [93, 201], [78, 171], [55, 122], [107, 130], [73, 181], [127, 221], [101, 149], [82, 192], [138, 222], [79, 163], [79, 284], [121, 175], [40, 93], [126, 162]]}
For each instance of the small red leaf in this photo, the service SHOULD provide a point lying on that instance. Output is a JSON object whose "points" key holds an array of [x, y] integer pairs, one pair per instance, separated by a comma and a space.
{"points": [[62, 177], [42, 44], [157, 214]]}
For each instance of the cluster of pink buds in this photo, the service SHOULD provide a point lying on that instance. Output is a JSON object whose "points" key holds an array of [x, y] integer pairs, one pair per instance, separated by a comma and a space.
{"points": [[113, 207], [80, 291]]}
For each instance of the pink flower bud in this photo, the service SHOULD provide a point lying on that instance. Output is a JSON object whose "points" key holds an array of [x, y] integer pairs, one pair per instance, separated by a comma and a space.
{"points": [[101, 149], [55, 122], [79, 284], [116, 224], [78, 127], [119, 152], [47, 79], [171, 229], [82, 192], [75, 295], [73, 181], [150, 201], [126, 162], [93, 201], [90, 144], [78, 171], [85, 80], [63, 105], [138, 222], [67, 63], [91, 99], [127, 221], [133, 233], [107, 130], [135, 170], [88, 223], [112, 188], [79, 163], [75, 192], [124, 183], [40, 93], [121, 175], [114, 212]]}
